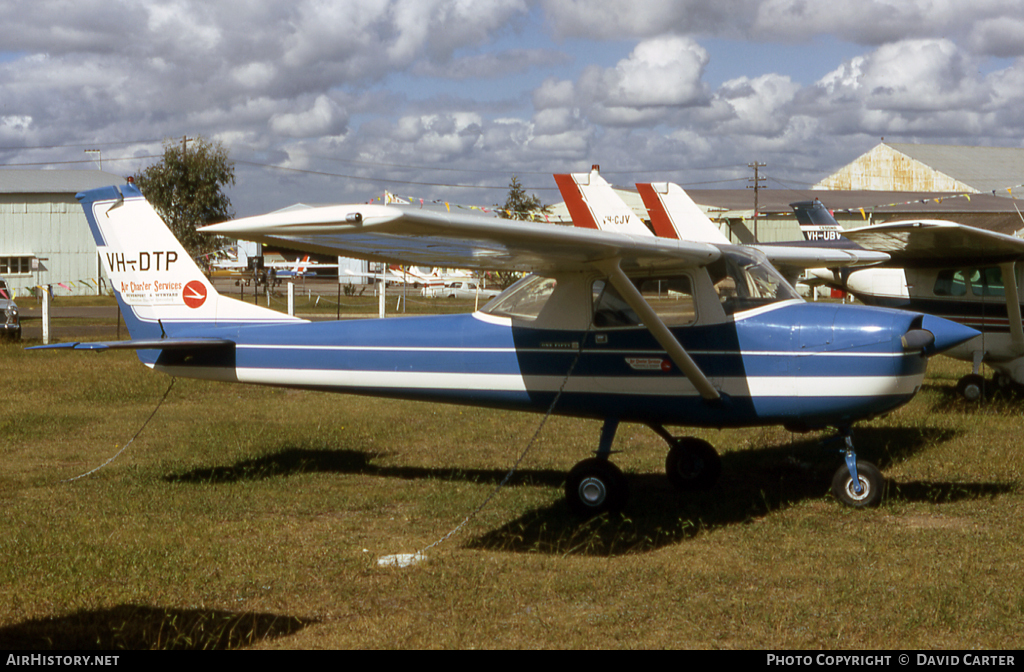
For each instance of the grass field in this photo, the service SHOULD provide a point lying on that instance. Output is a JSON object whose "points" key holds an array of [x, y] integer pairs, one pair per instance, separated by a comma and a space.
{"points": [[252, 517]]}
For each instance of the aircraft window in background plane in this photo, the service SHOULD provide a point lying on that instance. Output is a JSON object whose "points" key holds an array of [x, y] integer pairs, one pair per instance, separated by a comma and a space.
{"points": [[989, 282], [671, 297], [523, 300], [950, 282]]}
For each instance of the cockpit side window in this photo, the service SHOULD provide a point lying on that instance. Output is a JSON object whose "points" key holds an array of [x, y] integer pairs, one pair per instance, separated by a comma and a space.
{"points": [[950, 282], [671, 297], [986, 281], [989, 282]]}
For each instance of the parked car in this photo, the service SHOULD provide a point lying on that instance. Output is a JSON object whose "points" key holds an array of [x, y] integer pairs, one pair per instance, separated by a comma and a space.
{"points": [[461, 289], [10, 319]]}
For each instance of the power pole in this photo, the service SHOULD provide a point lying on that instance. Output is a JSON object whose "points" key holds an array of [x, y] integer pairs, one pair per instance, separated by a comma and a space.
{"points": [[757, 180]]}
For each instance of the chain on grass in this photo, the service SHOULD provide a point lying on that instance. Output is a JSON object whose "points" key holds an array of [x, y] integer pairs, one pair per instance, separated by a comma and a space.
{"points": [[125, 447], [529, 444]]}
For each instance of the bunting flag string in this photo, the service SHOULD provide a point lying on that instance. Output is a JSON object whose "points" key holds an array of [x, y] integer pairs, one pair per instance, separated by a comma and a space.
{"points": [[66, 285], [870, 209]]}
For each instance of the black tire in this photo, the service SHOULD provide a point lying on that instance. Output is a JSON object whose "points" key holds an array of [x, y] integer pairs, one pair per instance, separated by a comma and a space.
{"points": [[871, 481], [971, 387], [693, 464], [595, 486], [1002, 381]]}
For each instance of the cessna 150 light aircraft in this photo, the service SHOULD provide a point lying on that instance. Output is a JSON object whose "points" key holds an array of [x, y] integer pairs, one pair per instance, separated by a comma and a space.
{"points": [[730, 344], [954, 271]]}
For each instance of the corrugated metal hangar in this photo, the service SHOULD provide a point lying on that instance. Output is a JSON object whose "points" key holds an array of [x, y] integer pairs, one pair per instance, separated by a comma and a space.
{"points": [[44, 238]]}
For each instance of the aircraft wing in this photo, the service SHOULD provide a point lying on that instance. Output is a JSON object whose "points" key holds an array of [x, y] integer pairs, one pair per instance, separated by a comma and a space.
{"points": [[811, 256], [417, 237], [925, 243]]}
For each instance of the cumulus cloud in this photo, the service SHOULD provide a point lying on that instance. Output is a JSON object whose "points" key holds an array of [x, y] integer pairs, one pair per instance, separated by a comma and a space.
{"points": [[1002, 37], [483, 66], [910, 75], [659, 75], [325, 117], [618, 19]]}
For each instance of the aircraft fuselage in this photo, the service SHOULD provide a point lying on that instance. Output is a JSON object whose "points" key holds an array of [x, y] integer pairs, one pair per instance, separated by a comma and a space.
{"points": [[809, 364]]}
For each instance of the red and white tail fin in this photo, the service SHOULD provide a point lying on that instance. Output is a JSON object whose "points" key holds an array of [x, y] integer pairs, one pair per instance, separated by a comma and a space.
{"points": [[593, 204], [675, 215]]}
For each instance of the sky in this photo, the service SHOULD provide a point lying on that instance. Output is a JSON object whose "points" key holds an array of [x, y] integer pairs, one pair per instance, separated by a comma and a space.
{"points": [[321, 101]]}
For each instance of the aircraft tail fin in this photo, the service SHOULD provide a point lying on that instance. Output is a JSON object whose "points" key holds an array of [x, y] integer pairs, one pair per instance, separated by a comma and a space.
{"points": [[675, 215], [819, 226], [161, 290], [593, 204]]}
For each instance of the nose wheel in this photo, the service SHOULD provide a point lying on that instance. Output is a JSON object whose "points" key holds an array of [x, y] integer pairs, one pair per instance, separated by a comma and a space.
{"points": [[857, 483], [863, 492]]}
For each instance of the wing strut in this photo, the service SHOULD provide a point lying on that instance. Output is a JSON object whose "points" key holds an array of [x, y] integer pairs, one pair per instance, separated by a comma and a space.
{"points": [[1013, 306], [632, 296]]}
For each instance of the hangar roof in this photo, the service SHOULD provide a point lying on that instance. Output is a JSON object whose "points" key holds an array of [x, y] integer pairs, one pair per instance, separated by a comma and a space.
{"points": [[54, 181], [987, 169], [914, 167]]}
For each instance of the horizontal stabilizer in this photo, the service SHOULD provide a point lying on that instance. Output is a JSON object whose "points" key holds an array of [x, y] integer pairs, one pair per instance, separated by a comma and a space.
{"points": [[142, 344]]}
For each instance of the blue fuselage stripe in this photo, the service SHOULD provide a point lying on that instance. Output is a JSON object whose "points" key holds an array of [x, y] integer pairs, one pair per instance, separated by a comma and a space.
{"points": [[850, 368]]}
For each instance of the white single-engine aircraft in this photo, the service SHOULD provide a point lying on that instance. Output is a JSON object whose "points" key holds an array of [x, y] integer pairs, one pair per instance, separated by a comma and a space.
{"points": [[951, 270], [611, 326]]}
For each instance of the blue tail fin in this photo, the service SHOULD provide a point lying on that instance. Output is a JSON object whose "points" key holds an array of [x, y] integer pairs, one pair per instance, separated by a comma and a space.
{"points": [[819, 226]]}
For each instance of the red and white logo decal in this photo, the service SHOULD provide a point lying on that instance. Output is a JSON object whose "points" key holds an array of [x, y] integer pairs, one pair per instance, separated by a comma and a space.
{"points": [[649, 364], [194, 294]]}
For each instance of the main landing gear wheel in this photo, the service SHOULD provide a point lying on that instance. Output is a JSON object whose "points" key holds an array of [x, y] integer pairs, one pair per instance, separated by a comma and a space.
{"points": [[871, 486], [595, 486], [971, 387], [692, 464]]}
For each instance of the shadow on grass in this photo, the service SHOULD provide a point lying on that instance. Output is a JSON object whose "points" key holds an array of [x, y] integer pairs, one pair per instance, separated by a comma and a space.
{"points": [[995, 399], [293, 461], [754, 483], [137, 627]]}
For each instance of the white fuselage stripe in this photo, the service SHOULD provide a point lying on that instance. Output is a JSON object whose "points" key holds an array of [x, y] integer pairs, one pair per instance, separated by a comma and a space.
{"points": [[753, 386], [587, 351]]}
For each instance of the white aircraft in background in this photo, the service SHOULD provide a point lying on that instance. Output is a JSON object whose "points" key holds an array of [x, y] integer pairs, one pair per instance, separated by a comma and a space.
{"points": [[958, 272], [592, 203]]}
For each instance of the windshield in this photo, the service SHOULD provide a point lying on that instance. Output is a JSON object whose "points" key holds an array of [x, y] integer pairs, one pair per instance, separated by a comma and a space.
{"points": [[524, 300], [744, 279]]}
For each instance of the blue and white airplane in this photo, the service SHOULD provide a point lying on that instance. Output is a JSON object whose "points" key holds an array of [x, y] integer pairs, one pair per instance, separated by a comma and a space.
{"points": [[611, 326]]}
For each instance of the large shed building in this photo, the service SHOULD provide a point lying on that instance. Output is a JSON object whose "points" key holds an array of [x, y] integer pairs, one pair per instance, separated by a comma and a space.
{"points": [[931, 168], [44, 236]]}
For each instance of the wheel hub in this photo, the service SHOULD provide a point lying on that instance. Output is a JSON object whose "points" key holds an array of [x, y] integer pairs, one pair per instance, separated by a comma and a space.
{"points": [[851, 490], [592, 491]]}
